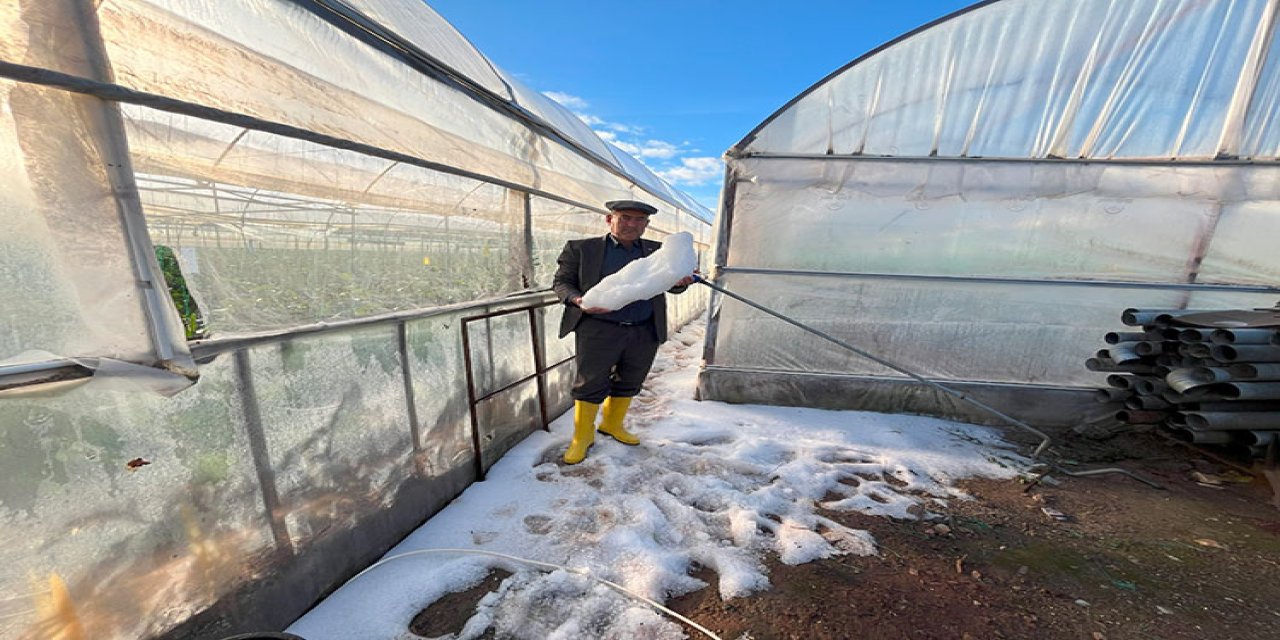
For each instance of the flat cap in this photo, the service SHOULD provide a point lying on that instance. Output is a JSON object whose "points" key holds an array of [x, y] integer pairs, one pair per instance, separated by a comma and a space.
{"points": [[631, 205]]}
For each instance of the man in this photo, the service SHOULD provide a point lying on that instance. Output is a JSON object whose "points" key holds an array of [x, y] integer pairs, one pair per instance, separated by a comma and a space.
{"points": [[615, 348]]}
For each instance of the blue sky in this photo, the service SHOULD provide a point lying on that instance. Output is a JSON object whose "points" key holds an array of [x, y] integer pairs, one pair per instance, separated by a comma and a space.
{"points": [[676, 83]]}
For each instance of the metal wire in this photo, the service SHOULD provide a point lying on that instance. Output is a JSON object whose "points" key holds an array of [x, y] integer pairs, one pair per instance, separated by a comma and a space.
{"points": [[1045, 439]]}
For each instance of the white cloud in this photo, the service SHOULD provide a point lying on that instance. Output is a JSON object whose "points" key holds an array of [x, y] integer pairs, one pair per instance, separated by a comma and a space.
{"points": [[693, 171], [658, 149], [666, 159]]}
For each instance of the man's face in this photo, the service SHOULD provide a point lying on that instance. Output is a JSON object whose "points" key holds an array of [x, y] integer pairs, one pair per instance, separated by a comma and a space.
{"points": [[627, 226]]}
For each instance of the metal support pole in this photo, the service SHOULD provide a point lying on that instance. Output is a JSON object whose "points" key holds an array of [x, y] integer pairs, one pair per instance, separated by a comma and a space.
{"points": [[415, 431], [252, 418], [539, 367]]}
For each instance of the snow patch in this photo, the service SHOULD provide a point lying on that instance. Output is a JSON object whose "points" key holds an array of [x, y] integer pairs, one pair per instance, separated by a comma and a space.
{"points": [[715, 486]]}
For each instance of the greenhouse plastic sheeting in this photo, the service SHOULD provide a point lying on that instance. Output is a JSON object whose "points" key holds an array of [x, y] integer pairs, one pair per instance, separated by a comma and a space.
{"points": [[320, 76], [983, 332], [309, 215], [67, 264], [1082, 221], [1051, 78]]}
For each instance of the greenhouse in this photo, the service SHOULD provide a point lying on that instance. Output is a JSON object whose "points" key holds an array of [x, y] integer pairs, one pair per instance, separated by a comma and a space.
{"points": [[981, 199], [356, 216], [278, 293]]}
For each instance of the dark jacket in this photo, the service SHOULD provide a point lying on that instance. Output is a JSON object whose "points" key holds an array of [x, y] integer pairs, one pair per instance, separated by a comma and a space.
{"points": [[580, 264]]}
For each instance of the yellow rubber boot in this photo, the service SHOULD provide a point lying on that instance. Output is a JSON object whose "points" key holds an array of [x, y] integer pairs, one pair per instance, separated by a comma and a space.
{"points": [[584, 431], [611, 422]]}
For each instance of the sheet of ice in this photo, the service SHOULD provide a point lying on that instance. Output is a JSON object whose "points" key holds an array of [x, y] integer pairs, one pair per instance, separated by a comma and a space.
{"points": [[647, 277], [711, 485]]}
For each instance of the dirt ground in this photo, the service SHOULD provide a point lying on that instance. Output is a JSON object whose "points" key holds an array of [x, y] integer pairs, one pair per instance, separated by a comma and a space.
{"points": [[1100, 558]]}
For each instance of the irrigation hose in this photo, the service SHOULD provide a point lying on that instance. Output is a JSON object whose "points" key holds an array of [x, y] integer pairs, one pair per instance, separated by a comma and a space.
{"points": [[1091, 472], [550, 566]]}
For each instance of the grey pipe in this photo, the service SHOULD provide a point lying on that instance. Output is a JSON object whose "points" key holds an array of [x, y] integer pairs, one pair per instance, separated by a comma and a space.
{"points": [[1250, 371], [1254, 390], [1177, 360], [1149, 386], [1138, 317], [1109, 365], [1232, 421], [1210, 393], [1208, 437], [1111, 395], [1184, 378], [1242, 336], [1254, 405], [1124, 352], [1147, 403], [1116, 337], [1150, 348], [1264, 437], [1246, 353], [1192, 335], [1196, 350], [1120, 382]]}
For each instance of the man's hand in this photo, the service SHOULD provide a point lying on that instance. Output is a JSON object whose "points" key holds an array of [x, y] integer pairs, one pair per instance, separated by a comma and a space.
{"points": [[592, 310], [687, 280]]}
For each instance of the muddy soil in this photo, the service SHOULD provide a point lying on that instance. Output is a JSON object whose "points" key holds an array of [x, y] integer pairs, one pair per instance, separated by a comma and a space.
{"points": [[1103, 557], [1100, 558]]}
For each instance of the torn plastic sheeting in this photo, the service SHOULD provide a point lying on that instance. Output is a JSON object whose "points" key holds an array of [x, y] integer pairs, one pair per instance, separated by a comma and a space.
{"points": [[104, 374]]}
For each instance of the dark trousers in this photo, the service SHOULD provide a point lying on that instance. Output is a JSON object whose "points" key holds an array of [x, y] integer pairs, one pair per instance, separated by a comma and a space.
{"points": [[613, 360]]}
